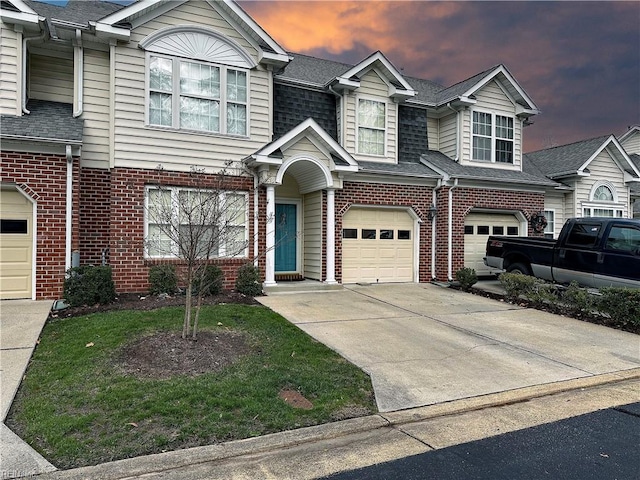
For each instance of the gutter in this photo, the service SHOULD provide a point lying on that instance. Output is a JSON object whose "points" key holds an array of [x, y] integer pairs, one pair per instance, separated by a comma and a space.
{"points": [[433, 232]]}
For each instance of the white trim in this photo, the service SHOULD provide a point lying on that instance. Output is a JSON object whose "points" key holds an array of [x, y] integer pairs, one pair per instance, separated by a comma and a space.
{"points": [[494, 138], [305, 157], [603, 183], [330, 260], [633, 129], [270, 241], [555, 222], [34, 240], [372, 98], [363, 67]]}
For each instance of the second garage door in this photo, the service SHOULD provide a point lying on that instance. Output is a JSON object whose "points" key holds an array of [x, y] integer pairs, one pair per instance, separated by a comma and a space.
{"points": [[377, 246], [477, 229]]}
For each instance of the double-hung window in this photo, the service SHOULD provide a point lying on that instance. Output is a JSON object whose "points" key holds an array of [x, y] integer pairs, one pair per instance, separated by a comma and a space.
{"points": [[182, 222], [550, 228], [492, 137], [190, 95], [371, 127]]}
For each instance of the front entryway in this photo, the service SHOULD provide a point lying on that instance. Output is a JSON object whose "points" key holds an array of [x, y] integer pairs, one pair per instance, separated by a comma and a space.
{"points": [[286, 247], [377, 245]]}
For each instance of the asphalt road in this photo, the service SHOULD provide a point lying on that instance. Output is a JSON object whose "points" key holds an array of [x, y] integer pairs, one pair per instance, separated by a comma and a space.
{"points": [[604, 445]]}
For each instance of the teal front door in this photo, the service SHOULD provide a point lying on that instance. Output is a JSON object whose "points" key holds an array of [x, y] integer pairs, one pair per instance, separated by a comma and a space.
{"points": [[286, 237]]}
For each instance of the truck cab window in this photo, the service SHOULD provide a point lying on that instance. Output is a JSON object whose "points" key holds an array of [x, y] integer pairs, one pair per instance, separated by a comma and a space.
{"points": [[583, 235]]}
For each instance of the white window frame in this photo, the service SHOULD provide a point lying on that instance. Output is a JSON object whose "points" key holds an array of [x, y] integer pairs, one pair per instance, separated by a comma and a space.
{"points": [[222, 248], [494, 136], [223, 101], [385, 130], [617, 210], [550, 228]]}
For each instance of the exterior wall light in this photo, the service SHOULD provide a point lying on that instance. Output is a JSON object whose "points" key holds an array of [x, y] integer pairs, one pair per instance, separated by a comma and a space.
{"points": [[431, 214]]}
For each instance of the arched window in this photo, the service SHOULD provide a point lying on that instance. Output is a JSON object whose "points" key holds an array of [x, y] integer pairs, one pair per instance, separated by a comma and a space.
{"points": [[603, 194]]}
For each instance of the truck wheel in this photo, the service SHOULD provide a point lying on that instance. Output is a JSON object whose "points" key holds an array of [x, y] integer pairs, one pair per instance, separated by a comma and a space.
{"points": [[519, 268]]}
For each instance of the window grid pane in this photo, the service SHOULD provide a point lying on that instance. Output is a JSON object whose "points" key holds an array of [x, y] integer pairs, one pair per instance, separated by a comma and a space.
{"points": [[160, 109], [160, 74], [371, 142], [199, 114]]}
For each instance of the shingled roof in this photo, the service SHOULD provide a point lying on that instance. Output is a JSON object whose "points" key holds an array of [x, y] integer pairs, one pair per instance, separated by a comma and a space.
{"points": [[47, 122], [564, 159], [442, 164], [75, 11]]}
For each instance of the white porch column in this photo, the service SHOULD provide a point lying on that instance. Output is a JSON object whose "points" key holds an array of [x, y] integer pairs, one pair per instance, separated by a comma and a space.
{"points": [[270, 258], [331, 236]]}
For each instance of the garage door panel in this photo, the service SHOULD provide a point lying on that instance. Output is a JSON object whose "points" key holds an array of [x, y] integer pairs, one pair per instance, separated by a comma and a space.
{"points": [[383, 256], [16, 246], [478, 228]]}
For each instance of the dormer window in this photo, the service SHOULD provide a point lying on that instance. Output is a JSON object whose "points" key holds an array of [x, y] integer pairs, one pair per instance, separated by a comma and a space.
{"points": [[185, 94], [371, 127], [492, 137]]}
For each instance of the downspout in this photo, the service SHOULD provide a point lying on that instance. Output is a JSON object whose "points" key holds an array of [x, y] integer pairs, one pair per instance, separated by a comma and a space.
{"points": [[69, 209], [457, 112], [78, 67], [342, 114], [25, 42], [450, 233], [433, 231]]}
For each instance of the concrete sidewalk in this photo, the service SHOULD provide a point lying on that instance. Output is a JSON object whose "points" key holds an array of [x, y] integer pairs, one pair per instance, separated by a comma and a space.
{"points": [[21, 322], [423, 344]]}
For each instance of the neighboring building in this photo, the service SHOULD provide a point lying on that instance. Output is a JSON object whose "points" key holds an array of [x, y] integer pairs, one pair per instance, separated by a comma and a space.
{"points": [[380, 177], [595, 177], [630, 141]]}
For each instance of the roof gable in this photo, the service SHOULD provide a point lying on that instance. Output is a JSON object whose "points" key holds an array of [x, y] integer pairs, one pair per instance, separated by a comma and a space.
{"points": [[272, 152], [632, 131], [399, 88], [574, 159], [119, 24], [463, 92], [19, 13]]}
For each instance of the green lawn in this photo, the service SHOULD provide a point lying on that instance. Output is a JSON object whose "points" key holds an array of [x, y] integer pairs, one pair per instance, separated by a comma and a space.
{"points": [[76, 407]]}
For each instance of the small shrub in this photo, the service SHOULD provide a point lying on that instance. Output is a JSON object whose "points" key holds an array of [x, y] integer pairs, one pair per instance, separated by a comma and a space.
{"points": [[163, 279], [517, 284], [467, 278], [212, 281], [248, 281], [622, 305], [88, 285], [578, 299]]}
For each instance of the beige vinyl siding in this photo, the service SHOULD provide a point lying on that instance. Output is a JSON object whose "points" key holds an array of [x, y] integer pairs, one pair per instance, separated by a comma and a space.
{"points": [[9, 70], [51, 78], [556, 202], [448, 135], [95, 145], [632, 143], [602, 168], [289, 188], [304, 147], [372, 87], [139, 146], [312, 239], [491, 98], [433, 133]]}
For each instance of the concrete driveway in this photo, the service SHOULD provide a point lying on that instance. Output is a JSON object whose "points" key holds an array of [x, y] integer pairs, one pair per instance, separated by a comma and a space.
{"points": [[423, 344]]}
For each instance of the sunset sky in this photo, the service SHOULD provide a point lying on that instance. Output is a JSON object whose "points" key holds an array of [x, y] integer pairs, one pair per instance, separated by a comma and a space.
{"points": [[579, 61]]}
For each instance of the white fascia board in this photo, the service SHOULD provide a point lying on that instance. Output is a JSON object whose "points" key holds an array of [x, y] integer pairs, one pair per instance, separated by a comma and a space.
{"points": [[622, 154], [277, 59], [250, 22], [522, 111], [346, 83], [132, 9], [629, 132], [20, 18], [104, 30], [23, 7], [347, 168], [595, 154]]}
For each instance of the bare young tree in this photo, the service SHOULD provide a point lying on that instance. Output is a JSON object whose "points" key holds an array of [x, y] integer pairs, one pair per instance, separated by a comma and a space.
{"points": [[192, 225]]}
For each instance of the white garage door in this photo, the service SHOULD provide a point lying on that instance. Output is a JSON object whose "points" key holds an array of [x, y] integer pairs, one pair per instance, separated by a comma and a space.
{"points": [[16, 245], [477, 228], [377, 246]]}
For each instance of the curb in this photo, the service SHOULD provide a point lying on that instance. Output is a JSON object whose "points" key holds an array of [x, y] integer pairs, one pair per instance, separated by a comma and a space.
{"points": [[156, 463]]}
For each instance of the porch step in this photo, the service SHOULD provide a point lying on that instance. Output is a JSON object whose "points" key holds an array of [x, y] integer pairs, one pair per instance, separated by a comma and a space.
{"points": [[302, 286]]}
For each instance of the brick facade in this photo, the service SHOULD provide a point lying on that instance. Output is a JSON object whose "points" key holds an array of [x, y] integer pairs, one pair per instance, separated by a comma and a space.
{"points": [[95, 203], [464, 201], [126, 238], [44, 179]]}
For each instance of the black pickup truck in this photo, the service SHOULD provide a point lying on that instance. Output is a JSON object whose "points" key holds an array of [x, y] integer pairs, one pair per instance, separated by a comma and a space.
{"points": [[595, 252]]}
